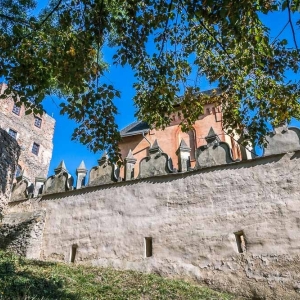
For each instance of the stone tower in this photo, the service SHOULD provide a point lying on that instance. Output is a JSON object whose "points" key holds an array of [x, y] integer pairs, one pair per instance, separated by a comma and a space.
{"points": [[33, 133]]}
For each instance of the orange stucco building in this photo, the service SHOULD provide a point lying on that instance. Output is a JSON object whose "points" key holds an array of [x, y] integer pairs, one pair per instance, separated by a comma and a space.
{"points": [[138, 137]]}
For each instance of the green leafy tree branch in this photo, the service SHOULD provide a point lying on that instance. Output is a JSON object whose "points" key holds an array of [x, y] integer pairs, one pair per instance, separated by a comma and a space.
{"points": [[170, 45]]}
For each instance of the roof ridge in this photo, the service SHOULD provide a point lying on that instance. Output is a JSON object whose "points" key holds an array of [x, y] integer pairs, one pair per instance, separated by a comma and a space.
{"points": [[135, 128]]}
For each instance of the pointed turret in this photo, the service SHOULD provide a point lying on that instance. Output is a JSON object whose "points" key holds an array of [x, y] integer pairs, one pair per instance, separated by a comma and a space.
{"points": [[212, 136], [129, 166], [184, 146], [155, 147], [81, 172], [183, 153], [81, 167], [61, 168], [129, 155], [39, 183]]}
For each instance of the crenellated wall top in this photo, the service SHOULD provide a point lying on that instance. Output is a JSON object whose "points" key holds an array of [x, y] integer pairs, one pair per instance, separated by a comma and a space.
{"points": [[215, 153]]}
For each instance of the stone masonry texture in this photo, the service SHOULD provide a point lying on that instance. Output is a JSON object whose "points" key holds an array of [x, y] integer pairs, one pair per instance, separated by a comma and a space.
{"points": [[27, 134], [9, 154], [22, 232], [193, 219]]}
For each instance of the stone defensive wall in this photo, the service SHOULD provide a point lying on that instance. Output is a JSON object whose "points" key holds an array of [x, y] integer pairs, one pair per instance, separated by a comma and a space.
{"points": [[9, 155], [233, 225]]}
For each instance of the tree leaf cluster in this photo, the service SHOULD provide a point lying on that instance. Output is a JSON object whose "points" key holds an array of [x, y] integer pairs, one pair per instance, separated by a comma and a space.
{"points": [[170, 46]]}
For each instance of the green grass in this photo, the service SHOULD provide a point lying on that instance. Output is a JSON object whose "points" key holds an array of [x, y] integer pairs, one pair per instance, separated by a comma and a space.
{"points": [[29, 279]]}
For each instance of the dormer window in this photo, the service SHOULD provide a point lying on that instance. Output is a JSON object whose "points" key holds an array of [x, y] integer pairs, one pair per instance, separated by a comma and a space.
{"points": [[37, 122], [16, 110]]}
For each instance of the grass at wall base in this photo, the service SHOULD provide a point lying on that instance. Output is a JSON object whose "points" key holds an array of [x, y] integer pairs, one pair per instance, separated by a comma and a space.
{"points": [[21, 278]]}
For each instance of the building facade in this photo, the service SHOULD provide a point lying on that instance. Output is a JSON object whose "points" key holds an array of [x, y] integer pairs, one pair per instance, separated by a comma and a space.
{"points": [[34, 134], [138, 138]]}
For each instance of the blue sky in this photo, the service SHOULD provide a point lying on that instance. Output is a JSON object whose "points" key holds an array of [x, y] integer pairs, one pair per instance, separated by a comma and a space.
{"points": [[122, 78], [73, 152]]}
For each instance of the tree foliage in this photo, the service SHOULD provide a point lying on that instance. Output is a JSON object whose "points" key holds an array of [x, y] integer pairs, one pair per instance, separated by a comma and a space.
{"points": [[170, 45]]}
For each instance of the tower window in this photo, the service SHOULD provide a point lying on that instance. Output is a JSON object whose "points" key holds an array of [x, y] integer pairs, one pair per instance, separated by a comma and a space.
{"points": [[37, 122], [35, 148], [148, 246], [240, 241], [12, 133], [16, 110]]}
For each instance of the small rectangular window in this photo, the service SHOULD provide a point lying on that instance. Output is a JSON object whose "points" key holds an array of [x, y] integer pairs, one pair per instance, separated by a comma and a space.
{"points": [[73, 253], [37, 122], [148, 246], [240, 241], [35, 148], [16, 110], [12, 133]]}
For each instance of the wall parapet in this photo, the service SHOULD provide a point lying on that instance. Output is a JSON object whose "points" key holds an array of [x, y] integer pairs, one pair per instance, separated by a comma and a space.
{"points": [[259, 160], [158, 163]]}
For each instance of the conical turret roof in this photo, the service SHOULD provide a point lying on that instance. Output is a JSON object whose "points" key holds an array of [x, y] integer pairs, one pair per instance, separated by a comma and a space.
{"points": [[183, 146], [81, 168], [61, 168], [130, 155], [211, 136], [130, 158], [211, 133], [155, 147]]}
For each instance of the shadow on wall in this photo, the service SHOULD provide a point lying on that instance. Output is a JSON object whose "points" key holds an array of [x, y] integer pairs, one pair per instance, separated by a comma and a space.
{"points": [[13, 237], [19, 281], [9, 155]]}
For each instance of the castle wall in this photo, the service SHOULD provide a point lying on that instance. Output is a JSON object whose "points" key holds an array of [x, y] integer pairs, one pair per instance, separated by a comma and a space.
{"points": [[36, 165], [9, 154], [194, 220]]}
